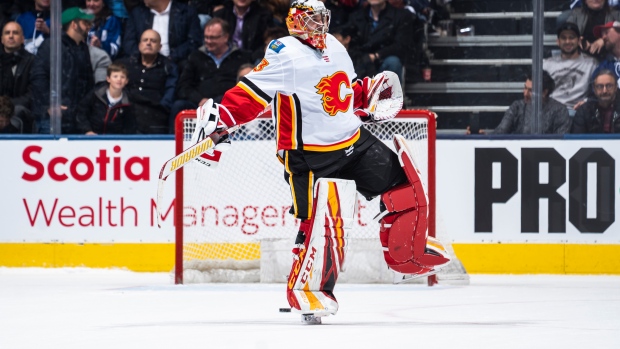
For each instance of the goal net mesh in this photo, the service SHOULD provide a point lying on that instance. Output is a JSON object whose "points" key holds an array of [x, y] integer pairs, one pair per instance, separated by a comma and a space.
{"points": [[236, 224]]}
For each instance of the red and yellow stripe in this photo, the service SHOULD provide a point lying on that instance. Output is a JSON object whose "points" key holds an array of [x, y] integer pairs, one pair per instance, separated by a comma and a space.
{"points": [[333, 207], [335, 146], [286, 121]]}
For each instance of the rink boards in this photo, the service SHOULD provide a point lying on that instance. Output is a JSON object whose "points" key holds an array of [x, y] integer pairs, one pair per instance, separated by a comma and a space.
{"points": [[507, 206]]}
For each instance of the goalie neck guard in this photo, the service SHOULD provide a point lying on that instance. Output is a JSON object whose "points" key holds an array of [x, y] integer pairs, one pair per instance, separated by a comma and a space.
{"points": [[308, 20]]}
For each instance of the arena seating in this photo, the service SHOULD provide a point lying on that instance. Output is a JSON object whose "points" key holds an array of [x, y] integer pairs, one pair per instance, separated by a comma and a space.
{"points": [[475, 78]]}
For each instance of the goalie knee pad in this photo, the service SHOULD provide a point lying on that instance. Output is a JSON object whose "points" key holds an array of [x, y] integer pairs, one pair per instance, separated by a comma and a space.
{"points": [[321, 254], [404, 230]]}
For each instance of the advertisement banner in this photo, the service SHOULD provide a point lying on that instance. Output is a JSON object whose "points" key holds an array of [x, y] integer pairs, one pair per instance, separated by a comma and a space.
{"points": [[487, 191], [528, 190], [83, 190]]}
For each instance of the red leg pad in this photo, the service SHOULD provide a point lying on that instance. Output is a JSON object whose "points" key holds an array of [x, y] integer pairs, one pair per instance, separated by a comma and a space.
{"points": [[400, 198], [407, 237], [404, 231], [431, 259]]}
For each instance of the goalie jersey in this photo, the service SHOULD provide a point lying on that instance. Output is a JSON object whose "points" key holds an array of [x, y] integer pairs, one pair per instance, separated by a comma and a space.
{"points": [[312, 95]]}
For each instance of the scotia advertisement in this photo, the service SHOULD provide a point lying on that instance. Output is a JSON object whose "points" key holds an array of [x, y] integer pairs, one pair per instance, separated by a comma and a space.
{"points": [[83, 191]]}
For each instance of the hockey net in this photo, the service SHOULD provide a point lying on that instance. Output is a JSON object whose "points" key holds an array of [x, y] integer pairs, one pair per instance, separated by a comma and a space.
{"points": [[232, 223]]}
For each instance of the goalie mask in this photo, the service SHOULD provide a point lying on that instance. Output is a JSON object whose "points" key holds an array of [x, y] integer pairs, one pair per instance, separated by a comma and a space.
{"points": [[309, 21]]}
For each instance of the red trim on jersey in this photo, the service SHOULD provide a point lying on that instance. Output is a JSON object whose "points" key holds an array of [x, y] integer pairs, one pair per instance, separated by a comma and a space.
{"points": [[286, 122], [334, 146], [243, 103]]}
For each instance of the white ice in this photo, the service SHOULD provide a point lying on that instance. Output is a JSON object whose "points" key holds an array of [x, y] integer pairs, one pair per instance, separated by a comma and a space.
{"points": [[93, 308]]}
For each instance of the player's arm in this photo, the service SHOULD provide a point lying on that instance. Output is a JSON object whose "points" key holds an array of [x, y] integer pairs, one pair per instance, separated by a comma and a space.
{"points": [[251, 96]]}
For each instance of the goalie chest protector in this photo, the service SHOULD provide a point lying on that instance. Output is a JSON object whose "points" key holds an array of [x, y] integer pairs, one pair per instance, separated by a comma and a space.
{"points": [[312, 94]]}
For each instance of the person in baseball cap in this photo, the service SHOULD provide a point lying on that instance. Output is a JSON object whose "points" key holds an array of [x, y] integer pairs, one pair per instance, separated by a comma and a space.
{"points": [[75, 13], [568, 26], [598, 30]]}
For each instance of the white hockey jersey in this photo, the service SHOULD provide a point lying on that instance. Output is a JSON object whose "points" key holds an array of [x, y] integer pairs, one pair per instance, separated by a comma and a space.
{"points": [[312, 95]]}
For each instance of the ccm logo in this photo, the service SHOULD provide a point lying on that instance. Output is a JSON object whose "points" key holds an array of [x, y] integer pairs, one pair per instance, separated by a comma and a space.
{"points": [[83, 168], [308, 269], [595, 163]]}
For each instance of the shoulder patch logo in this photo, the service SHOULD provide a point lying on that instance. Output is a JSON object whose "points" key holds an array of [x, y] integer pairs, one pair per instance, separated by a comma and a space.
{"points": [[261, 65], [276, 46]]}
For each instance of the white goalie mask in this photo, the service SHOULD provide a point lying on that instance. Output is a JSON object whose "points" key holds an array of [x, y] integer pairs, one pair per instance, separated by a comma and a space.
{"points": [[309, 21]]}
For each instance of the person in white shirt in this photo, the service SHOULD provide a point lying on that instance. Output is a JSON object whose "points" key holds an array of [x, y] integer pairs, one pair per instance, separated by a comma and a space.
{"points": [[571, 70], [176, 23]]}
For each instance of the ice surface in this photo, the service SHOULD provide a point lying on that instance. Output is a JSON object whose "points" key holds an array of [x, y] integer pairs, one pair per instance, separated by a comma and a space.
{"points": [[94, 308]]}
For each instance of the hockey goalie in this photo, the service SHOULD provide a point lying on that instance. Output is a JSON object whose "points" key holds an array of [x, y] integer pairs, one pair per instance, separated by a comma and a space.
{"points": [[318, 105]]}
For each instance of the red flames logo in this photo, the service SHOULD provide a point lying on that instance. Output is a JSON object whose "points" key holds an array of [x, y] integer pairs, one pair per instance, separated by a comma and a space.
{"points": [[329, 87]]}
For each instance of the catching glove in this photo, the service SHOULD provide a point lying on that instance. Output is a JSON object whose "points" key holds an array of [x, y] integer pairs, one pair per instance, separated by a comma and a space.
{"points": [[385, 96]]}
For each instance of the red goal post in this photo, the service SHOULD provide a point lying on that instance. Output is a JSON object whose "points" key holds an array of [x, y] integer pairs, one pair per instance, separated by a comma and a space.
{"points": [[216, 241]]}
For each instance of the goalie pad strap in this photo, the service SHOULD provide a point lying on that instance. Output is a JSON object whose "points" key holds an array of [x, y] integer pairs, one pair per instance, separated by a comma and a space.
{"points": [[314, 274]]}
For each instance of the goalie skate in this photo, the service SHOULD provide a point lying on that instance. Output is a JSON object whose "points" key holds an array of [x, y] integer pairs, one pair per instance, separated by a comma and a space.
{"points": [[310, 319]]}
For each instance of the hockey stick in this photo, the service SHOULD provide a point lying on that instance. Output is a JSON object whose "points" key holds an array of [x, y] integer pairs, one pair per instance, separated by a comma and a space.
{"points": [[189, 154]]}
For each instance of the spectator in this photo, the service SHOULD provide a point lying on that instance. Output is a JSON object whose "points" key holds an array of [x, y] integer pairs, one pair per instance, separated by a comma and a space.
{"points": [[340, 11], [600, 115], [106, 31], [561, 19], [106, 110], [248, 21], [210, 71], [610, 33], [426, 11], [118, 9], [364, 66], [35, 24], [594, 13], [15, 65], [77, 72], [382, 32], [7, 123], [270, 34], [99, 60], [519, 118], [176, 23], [152, 80], [571, 70], [244, 70], [279, 10], [205, 9]]}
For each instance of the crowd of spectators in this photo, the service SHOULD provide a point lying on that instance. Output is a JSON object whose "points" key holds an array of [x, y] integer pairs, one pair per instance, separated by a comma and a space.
{"points": [[174, 54], [583, 77]]}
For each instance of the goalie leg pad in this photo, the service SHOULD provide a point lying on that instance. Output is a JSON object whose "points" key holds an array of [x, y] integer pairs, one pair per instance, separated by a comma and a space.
{"points": [[404, 232], [315, 272]]}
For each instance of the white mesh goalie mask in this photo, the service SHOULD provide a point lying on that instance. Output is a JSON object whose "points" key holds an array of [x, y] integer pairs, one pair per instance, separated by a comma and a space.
{"points": [[309, 21]]}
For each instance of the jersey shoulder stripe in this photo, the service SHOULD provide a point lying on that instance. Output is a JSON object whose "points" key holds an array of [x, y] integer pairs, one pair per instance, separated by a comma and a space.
{"points": [[254, 91]]}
